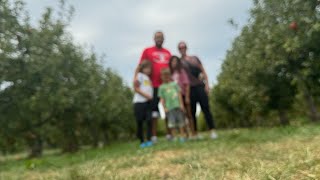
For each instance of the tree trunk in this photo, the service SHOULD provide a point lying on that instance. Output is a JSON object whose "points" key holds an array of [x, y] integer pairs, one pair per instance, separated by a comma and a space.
{"points": [[283, 117], [71, 144], [94, 133], [35, 145], [313, 113], [70, 141]]}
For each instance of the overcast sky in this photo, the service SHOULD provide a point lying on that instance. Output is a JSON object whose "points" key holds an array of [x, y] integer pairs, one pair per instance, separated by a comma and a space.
{"points": [[122, 29]]}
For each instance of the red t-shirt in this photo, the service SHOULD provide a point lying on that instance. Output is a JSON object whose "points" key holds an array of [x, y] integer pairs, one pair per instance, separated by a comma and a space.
{"points": [[159, 59]]}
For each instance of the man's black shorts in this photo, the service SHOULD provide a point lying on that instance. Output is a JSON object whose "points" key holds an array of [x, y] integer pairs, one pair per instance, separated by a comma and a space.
{"points": [[154, 103]]}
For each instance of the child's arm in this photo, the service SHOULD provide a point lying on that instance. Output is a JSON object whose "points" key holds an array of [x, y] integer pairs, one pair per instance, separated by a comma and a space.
{"points": [[162, 101], [135, 77], [138, 90]]}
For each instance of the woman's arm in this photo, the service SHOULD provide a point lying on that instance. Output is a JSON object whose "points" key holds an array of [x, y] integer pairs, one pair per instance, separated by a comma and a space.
{"points": [[207, 88]]}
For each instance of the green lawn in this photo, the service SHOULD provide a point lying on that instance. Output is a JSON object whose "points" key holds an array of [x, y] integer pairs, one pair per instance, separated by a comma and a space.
{"points": [[275, 153]]}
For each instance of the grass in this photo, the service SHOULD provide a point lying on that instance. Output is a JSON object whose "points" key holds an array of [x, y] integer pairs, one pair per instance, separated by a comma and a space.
{"points": [[273, 153]]}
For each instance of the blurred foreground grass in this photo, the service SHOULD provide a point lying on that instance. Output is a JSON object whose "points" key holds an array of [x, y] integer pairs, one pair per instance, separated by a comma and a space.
{"points": [[264, 153]]}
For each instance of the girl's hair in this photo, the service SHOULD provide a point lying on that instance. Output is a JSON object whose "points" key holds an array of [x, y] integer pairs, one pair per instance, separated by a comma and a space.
{"points": [[144, 64], [179, 64]]}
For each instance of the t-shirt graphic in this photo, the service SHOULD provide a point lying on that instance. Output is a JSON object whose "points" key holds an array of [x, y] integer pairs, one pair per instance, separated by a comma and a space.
{"points": [[170, 93], [147, 82], [160, 57]]}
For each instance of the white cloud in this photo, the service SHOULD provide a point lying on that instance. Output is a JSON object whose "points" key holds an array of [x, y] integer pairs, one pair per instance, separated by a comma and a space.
{"points": [[121, 30]]}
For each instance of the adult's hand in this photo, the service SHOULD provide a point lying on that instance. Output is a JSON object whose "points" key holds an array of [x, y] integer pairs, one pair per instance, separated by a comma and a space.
{"points": [[207, 89]]}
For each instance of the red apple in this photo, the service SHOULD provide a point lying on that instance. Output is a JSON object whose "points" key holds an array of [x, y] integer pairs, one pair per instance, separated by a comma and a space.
{"points": [[293, 26]]}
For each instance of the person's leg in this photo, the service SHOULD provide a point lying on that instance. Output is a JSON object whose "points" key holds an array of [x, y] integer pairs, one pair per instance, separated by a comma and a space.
{"points": [[149, 121], [173, 133], [154, 124], [171, 124], [138, 108], [167, 127], [205, 107], [180, 123], [155, 114], [193, 106], [189, 127], [190, 120], [182, 134]]}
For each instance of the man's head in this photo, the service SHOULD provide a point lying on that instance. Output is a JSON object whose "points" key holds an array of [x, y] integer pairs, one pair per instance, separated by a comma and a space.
{"points": [[182, 47], [158, 39], [165, 75]]}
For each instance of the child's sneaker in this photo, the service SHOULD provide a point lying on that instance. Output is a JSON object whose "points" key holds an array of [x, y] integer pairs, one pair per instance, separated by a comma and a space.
{"points": [[169, 137], [200, 137], [174, 139], [182, 140], [143, 145], [149, 143], [214, 135], [154, 139], [192, 138]]}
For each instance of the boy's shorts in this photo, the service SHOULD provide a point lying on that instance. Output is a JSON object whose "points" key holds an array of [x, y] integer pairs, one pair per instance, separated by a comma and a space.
{"points": [[175, 118]]}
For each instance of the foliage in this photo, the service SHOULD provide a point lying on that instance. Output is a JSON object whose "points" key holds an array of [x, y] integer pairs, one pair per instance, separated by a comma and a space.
{"points": [[270, 64], [57, 93]]}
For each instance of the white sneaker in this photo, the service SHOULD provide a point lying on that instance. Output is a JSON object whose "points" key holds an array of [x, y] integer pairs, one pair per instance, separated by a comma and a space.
{"points": [[169, 137], [174, 139], [214, 135], [154, 139], [193, 138], [200, 137]]}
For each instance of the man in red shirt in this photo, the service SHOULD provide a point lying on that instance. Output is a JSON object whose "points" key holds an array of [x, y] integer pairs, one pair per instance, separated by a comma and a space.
{"points": [[159, 57]]}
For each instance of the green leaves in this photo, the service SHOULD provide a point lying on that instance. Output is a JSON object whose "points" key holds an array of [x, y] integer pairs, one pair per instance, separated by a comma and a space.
{"points": [[269, 64], [58, 91]]}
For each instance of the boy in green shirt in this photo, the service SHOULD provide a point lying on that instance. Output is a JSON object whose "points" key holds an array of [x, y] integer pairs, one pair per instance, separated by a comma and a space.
{"points": [[171, 100]]}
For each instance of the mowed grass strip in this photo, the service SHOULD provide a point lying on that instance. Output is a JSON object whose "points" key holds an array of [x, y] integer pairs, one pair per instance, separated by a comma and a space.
{"points": [[275, 153]]}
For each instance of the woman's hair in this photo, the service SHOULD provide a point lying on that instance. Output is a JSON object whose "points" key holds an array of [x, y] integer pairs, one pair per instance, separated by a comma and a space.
{"points": [[179, 64], [144, 64]]}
